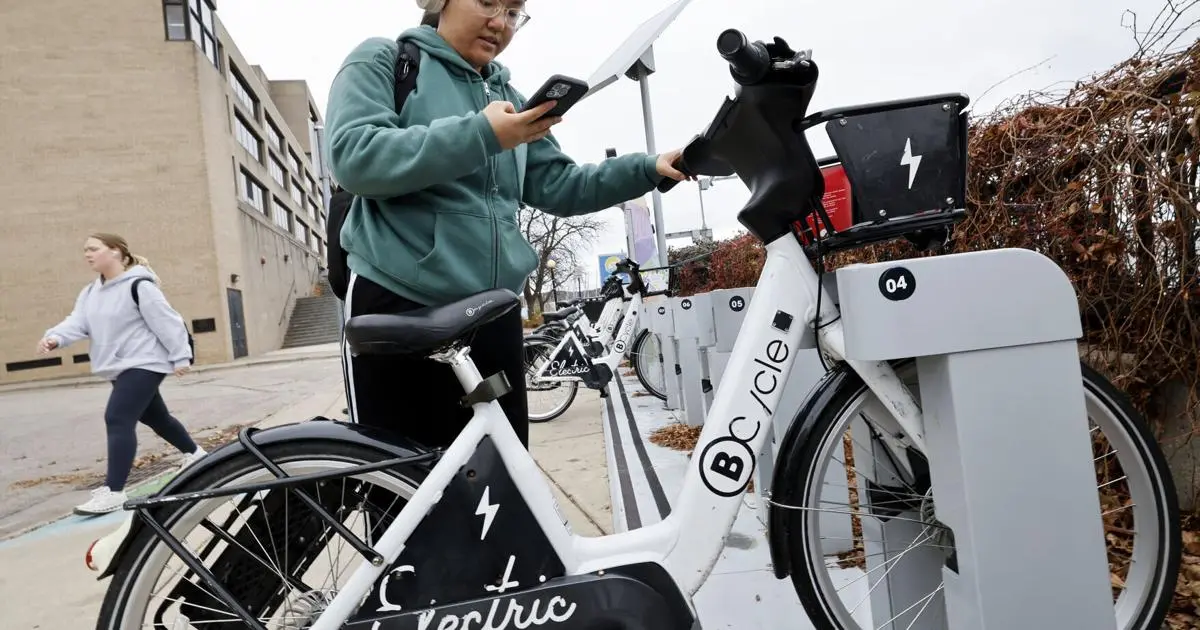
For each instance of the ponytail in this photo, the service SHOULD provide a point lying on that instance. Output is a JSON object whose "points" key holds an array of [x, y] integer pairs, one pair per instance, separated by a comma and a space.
{"points": [[137, 259]]}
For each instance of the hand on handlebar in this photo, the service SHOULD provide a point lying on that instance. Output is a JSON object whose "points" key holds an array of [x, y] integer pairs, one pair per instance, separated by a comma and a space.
{"points": [[669, 166], [666, 165]]}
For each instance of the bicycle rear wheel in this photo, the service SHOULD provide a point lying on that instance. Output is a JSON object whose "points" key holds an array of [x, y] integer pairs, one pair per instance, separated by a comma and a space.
{"points": [[272, 553], [836, 542]]}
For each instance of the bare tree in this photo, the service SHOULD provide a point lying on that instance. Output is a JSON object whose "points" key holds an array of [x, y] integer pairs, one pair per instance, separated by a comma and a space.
{"points": [[561, 239]]}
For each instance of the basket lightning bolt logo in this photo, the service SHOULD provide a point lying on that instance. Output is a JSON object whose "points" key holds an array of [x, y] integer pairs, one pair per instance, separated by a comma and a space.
{"points": [[913, 162], [487, 510]]}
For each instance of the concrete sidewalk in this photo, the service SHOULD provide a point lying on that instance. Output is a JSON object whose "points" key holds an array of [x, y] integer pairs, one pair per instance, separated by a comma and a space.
{"points": [[54, 590], [289, 355]]}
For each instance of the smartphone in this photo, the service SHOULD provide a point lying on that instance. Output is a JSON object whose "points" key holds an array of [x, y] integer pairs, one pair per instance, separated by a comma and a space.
{"points": [[566, 90]]}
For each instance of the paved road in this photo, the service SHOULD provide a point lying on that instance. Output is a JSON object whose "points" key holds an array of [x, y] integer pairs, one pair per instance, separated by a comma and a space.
{"points": [[52, 440]]}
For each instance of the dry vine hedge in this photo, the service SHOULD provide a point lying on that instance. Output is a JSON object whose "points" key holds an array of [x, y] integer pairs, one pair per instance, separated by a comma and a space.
{"points": [[1103, 180]]}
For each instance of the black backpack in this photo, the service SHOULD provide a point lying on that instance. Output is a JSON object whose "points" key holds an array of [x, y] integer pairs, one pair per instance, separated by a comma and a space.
{"points": [[408, 61], [133, 289]]}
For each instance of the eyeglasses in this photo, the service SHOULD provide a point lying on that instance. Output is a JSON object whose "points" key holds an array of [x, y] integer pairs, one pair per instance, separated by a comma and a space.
{"points": [[516, 18]]}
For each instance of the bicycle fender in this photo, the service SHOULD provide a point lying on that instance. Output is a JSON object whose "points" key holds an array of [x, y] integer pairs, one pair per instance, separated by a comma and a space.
{"points": [[787, 482], [103, 555]]}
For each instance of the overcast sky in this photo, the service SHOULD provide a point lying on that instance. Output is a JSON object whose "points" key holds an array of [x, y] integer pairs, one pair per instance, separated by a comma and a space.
{"points": [[867, 51]]}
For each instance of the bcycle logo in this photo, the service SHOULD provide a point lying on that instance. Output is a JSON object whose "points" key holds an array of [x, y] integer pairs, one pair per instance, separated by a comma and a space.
{"points": [[626, 331], [727, 463]]}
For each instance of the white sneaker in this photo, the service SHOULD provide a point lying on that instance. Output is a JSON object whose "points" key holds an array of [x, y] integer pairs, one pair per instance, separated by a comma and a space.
{"points": [[193, 458], [103, 501]]}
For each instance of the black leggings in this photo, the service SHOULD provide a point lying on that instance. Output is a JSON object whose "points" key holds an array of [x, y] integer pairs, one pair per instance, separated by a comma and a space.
{"points": [[135, 398], [418, 397]]}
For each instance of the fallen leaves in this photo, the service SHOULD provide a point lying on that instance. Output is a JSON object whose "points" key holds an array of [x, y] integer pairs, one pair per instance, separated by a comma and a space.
{"points": [[677, 436]]}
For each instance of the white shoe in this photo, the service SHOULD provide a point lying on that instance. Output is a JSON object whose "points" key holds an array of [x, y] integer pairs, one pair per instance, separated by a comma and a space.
{"points": [[193, 458], [103, 501]]}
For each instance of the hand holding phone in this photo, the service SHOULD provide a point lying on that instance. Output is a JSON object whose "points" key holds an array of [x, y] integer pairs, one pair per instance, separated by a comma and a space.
{"points": [[513, 128], [564, 90]]}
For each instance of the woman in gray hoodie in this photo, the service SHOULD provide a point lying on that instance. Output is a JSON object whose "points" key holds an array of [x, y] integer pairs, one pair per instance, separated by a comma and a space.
{"points": [[134, 346]]}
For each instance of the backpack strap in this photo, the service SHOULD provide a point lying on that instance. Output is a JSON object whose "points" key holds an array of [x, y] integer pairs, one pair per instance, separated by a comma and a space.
{"points": [[408, 62], [133, 289]]}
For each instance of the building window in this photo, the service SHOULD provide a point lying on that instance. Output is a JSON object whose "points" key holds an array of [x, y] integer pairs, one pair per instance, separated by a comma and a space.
{"points": [[313, 241], [243, 93], [312, 211], [297, 194], [294, 162], [250, 191], [276, 168], [301, 232], [273, 135], [321, 222], [281, 216], [201, 27], [248, 139], [312, 185], [176, 20]]}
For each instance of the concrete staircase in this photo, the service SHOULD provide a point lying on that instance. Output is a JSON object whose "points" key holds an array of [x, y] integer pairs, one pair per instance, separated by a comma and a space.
{"points": [[315, 320]]}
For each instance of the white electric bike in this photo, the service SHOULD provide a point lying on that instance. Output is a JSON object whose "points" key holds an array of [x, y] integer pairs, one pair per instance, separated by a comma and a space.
{"points": [[471, 537], [557, 361]]}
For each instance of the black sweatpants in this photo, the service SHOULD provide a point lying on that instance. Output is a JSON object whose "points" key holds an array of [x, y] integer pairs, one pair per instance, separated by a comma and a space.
{"points": [[135, 398], [418, 397]]}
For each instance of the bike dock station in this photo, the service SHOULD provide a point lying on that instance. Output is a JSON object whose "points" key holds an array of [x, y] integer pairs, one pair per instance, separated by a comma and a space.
{"points": [[993, 335]]}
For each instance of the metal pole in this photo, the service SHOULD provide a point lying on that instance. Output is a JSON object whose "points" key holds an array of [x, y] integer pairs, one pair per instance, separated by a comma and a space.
{"points": [[326, 194], [700, 191], [660, 232], [320, 158]]}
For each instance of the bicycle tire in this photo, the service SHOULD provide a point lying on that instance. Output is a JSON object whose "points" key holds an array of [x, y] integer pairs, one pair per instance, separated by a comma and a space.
{"points": [[1149, 617], [636, 352], [116, 598], [573, 386]]}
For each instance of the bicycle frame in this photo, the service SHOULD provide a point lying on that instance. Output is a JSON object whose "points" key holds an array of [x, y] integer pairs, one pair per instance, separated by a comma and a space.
{"points": [[604, 327], [689, 541], [606, 324]]}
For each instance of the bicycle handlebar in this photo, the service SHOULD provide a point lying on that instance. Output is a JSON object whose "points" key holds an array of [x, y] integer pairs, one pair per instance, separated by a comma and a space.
{"points": [[748, 61], [750, 64]]}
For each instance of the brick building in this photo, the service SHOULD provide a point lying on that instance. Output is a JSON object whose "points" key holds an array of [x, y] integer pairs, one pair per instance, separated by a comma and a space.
{"points": [[143, 119]]}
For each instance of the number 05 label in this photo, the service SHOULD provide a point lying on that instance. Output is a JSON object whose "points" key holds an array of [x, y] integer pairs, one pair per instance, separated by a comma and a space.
{"points": [[897, 284]]}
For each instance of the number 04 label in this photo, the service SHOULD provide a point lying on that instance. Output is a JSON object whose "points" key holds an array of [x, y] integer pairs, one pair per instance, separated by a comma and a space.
{"points": [[897, 284]]}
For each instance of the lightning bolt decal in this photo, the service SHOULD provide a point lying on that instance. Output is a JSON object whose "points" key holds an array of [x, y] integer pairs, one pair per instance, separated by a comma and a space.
{"points": [[487, 510], [913, 162]]}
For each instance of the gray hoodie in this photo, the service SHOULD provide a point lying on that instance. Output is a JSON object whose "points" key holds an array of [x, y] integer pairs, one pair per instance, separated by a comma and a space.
{"points": [[153, 339]]}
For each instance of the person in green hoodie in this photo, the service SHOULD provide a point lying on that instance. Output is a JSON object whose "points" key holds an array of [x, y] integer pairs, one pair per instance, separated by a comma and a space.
{"points": [[437, 186]]}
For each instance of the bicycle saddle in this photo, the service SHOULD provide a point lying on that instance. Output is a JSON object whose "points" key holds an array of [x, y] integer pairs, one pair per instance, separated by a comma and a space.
{"points": [[426, 329], [559, 315]]}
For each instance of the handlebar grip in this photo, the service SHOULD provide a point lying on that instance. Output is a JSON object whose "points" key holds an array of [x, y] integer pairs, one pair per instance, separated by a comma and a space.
{"points": [[666, 184], [681, 164], [748, 60]]}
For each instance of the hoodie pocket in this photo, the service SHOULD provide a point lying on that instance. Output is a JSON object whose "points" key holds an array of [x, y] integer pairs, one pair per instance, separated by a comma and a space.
{"points": [[460, 263], [516, 258]]}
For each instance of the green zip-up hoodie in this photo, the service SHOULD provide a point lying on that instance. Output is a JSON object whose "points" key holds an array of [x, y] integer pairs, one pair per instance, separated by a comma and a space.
{"points": [[435, 216]]}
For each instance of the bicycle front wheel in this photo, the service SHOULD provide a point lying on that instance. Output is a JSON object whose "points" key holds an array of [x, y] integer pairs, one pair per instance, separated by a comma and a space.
{"points": [[547, 400], [647, 362], [837, 552]]}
